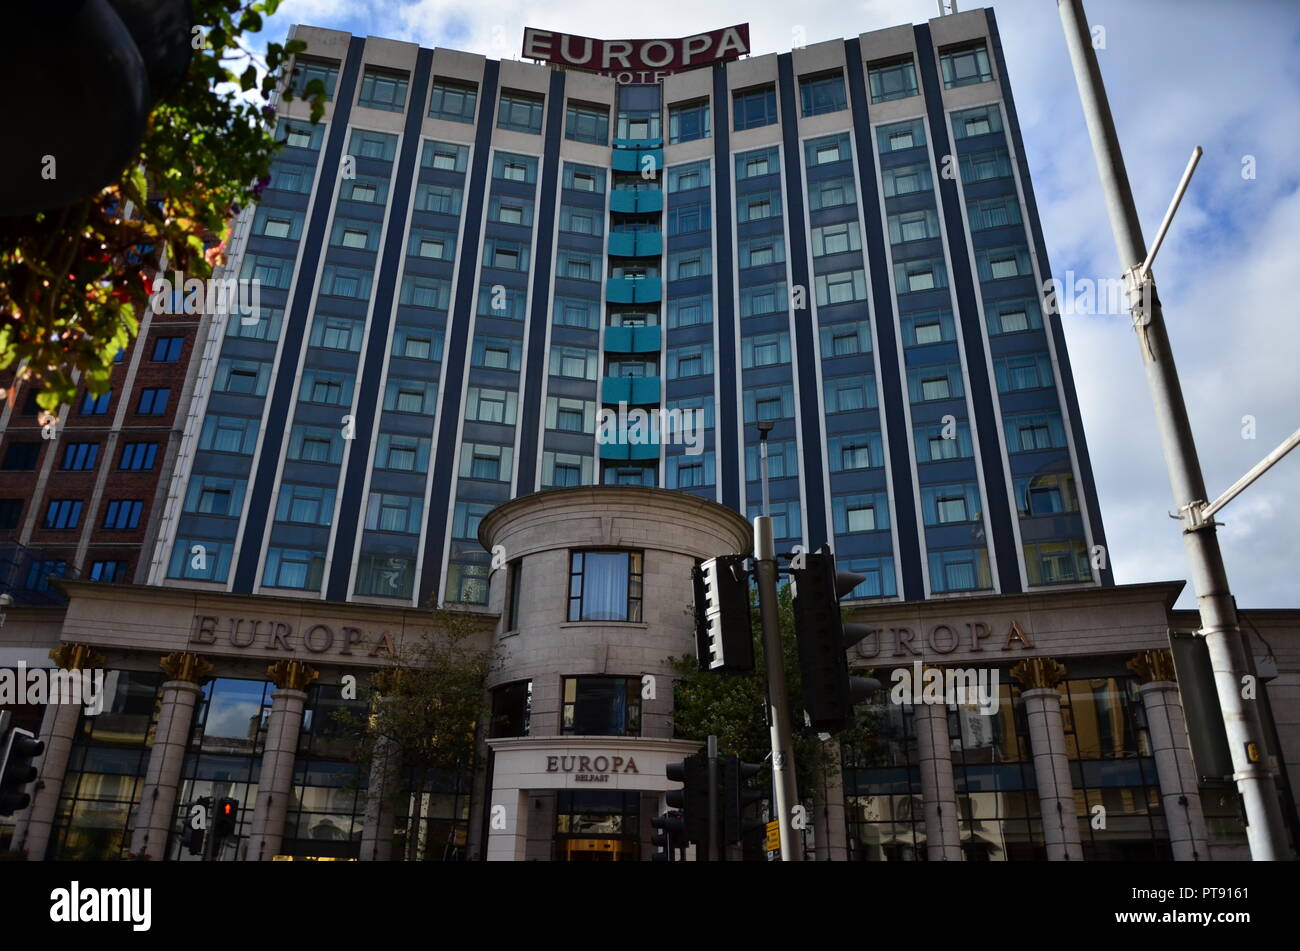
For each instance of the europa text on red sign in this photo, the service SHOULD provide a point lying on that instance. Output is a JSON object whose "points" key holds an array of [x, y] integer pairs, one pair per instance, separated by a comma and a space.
{"points": [[637, 56]]}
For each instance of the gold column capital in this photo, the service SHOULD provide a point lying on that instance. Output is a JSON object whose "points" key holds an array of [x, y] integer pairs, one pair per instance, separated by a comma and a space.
{"points": [[183, 665], [76, 656], [292, 674], [1154, 665], [1036, 672]]}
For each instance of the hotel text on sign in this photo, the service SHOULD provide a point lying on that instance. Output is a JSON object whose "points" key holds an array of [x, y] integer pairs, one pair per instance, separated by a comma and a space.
{"points": [[613, 56]]}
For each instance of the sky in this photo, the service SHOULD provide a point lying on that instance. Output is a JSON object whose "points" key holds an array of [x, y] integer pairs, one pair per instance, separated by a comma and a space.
{"points": [[1179, 74]]}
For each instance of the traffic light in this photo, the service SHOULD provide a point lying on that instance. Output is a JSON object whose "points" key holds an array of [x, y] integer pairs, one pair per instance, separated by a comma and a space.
{"points": [[723, 637], [736, 796], [17, 750], [692, 800], [829, 693], [223, 823], [671, 829]]}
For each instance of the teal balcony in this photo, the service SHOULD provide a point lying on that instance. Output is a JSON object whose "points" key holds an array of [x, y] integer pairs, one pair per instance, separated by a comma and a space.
{"points": [[639, 143], [632, 390], [637, 160], [632, 340], [631, 201], [629, 451], [642, 244], [625, 290]]}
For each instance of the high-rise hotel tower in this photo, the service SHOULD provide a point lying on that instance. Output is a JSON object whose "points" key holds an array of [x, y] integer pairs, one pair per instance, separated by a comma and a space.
{"points": [[469, 260]]}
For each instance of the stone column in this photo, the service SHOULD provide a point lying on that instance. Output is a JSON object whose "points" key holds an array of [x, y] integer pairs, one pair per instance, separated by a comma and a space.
{"points": [[934, 758], [1179, 787], [508, 826], [829, 824], [180, 693], [377, 833], [59, 726], [1038, 678], [275, 785]]}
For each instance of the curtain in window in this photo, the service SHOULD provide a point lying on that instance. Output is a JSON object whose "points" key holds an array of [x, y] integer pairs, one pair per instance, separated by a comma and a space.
{"points": [[604, 586]]}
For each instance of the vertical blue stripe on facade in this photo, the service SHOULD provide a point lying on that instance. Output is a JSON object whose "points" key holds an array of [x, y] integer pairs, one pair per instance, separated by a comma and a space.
{"points": [[294, 332], [805, 350], [900, 440], [456, 353], [1052, 321], [367, 406], [1003, 542], [534, 361], [725, 305]]}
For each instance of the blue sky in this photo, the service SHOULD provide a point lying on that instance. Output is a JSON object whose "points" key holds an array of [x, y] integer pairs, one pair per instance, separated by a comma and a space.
{"points": [[1179, 74]]}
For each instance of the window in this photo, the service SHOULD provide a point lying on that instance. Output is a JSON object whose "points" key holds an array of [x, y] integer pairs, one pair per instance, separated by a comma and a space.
{"points": [[512, 704], [347, 282], [825, 151], [373, 145], [305, 71], [765, 350], [928, 327], [906, 180], [20, 456], [687, 219], [769, 402], [584, 178], [848, 393], [453, 100], [1013, 316], [868, 512], [293, 568], [429, 292], [913, 276], [901, 135], [758, 163], [410, 396], [1051, 494], [846, 340], [972, 122], [823, 93], [764, 299], [994, 213], [387, 512], [561, 469], [605, 586], [305, 504], [317, 444], [167, 349], [601, 706], [383, 90], [80, 456], [441, 199], [959, 570], [754, 107], [10, 511], [693, 263], [576, 220], [1000, 263], [63, 514], [1025, 371], [688, 121], [467, 582], [487, 405], [445, 156], [123, 514], [948, 504], [587, 123], [685, 177], [836, 239], [1027, 432], [520, 111], [511, 210], [486, 462], [372, 191], [357, 235], [95, 405], [892, 79], [831, 193], [985, 166], [935, 443], [337, 333], [842, 287], [138, 455], [575, 362], [153, 401], [913, 226], [691, 472], [108, 571], [690, 361], [965, 65], [1057, 562], [402, 453]]}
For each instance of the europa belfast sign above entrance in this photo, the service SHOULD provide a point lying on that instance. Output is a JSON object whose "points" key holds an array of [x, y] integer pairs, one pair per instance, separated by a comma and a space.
{"points": [[616, 57]]}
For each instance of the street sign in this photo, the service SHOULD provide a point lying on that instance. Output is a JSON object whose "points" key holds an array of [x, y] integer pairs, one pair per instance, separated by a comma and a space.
{"points": [[773, 836]]}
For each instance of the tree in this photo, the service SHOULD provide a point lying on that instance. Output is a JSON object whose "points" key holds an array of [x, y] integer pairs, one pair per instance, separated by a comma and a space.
{"points": [[74, 280], [426, 709], [731, 706]]}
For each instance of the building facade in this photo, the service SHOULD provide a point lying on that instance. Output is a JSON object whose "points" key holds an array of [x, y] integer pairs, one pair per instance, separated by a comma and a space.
{"points": [[474, 272], [1077, 749]]}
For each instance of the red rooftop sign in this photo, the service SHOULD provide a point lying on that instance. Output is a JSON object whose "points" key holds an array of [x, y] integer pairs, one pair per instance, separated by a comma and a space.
{"points": [[616, 57]]}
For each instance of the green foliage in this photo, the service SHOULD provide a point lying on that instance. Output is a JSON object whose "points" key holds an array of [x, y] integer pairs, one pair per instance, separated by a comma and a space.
{"points": [[74, 280], [731, 706]]}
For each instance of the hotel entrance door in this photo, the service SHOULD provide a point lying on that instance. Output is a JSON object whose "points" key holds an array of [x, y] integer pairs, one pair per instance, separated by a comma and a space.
{"points": [[596, 827]]}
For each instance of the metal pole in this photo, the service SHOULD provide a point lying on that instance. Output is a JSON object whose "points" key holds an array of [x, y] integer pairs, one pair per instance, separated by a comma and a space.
{"points": [[714, 831], [1256, 471], [778, 716], [1264, 827], [763, 429]]}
